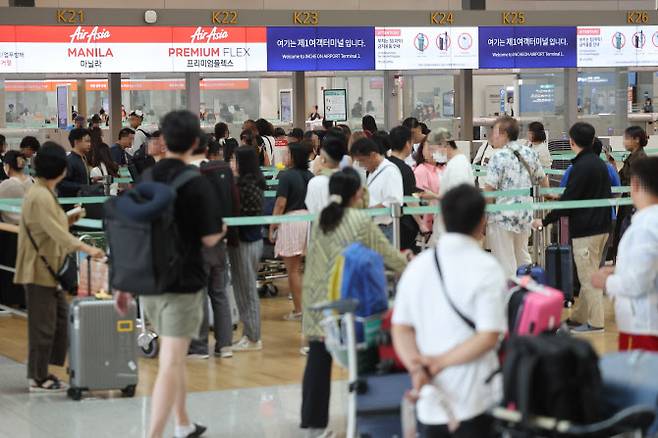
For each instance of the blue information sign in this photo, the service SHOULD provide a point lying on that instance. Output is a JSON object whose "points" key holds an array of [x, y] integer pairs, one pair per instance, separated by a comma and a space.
{"points": [[320, 48], [527, 47]]}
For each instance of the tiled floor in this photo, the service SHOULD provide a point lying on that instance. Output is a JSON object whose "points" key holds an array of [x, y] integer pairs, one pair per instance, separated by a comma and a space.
{"points": [[271, 412]]}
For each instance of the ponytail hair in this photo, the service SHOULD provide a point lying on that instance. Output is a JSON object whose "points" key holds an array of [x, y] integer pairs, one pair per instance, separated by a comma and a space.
{"points": [[15, 160], [343, 185]]}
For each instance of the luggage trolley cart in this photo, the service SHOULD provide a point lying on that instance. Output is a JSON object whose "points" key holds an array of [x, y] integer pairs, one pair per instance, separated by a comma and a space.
{"points": [[373, 408], [147, 338]]}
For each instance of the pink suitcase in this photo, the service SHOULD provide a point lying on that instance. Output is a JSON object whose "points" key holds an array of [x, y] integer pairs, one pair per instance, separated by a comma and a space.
{"points": [[534, 308]]}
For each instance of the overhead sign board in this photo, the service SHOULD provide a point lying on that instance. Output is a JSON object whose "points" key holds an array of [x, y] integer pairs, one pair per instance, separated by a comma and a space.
{"points": [[527, 47], [618, 46], [418, 48], [320, 48], [108, 49]]}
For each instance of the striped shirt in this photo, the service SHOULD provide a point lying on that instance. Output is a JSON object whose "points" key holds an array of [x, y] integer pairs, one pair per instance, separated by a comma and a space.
{"points": [[324, 249]]}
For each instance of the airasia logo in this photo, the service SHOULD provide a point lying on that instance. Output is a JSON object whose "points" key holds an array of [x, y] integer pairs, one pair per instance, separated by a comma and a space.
{"points": [[83, 36], [200, 35]]}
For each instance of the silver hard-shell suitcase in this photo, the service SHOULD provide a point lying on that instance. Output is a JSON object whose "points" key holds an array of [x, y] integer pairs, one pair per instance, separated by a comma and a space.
{"points": [[102, 348]]}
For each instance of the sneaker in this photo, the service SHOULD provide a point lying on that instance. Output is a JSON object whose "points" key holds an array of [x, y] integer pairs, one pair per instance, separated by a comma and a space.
{"points": [[198, 355], [245, 344], [196, 432], [224, 352], [289, 297], [50, 385], [584, 329], [304, 351], [293, 316]]}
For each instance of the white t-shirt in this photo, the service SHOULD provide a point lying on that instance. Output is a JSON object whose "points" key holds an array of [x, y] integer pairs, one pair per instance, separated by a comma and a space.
{"points": [[476, 284], [138, 141], [317, 194], [457, 171], [544, 154], [385, 188]]}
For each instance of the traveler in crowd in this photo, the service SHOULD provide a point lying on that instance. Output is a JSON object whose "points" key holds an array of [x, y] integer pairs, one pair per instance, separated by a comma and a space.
{"points": [[103, 167], [537, 141], [95, 138], [512, 166], [327, 124], [153, 151], [333, 149], [123, 144], [384, 181], [468, 307], [400, 151], [383, 140], [296, 135], [340, 224], [215, 258], [135, 120], [79, 122], [588, 227], [245, 253], [3, 150], [633, 282], [177, 314], [214, 152], [44, 241], [221, 132], [458, 171], [290, 237], [228, 151], [250, 125], [648, 105], [635, 139], [315, 115], [424, 129], [249, 138], [77, 174], [13, 165], [95, 122], [369, 125], [597, 147], [427, 175], [417, 136], [346, 130], [266, 133], [29, 147]]}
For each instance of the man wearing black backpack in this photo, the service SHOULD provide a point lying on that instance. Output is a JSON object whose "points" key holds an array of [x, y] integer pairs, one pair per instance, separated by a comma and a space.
{"points": [[177, 312]]}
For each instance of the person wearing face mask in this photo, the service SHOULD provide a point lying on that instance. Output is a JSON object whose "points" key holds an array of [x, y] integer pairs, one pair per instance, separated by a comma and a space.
{"points": [[427, 174], [417, 136], [456, 172]]}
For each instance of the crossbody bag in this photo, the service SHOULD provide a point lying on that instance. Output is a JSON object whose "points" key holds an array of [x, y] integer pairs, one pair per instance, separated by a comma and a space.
{"points": [[468, 321], [67, 274]]}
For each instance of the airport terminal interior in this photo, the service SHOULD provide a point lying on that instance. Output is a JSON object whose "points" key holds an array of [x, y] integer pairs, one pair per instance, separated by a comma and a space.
{"points": [[421, 82]]}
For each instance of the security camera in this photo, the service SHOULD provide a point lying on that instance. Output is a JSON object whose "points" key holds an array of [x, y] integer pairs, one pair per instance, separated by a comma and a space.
{"points": [[150, 16]]}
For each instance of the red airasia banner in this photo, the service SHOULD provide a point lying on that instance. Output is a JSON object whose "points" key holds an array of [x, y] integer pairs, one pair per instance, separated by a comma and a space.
{"points": [[112, 49]]}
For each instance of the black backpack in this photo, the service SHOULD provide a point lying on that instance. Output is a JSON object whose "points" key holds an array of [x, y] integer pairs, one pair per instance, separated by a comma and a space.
{"points": [[553, 376], [146, 253]]}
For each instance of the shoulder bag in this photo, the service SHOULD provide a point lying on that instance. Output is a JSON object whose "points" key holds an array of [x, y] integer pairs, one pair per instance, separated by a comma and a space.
{"points": [[67, 274], [468, 321]]}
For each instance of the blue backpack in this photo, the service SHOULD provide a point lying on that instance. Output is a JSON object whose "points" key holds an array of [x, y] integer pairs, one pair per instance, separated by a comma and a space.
{"points": [[364, 279]]}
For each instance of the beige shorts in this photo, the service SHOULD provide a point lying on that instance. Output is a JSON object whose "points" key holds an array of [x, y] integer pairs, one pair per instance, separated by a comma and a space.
{"points": [[175, 315]]}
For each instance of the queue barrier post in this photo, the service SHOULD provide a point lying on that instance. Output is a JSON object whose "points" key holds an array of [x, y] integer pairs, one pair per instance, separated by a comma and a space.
{"points": [[537, 235], [396, 214]]}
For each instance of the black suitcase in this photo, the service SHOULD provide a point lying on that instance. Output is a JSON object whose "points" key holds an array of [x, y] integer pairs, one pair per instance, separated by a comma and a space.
{"points": [[559, 263]]}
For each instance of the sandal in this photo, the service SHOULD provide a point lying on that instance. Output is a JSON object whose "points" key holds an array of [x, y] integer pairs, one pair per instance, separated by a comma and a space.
{"points": [[49, 384]]}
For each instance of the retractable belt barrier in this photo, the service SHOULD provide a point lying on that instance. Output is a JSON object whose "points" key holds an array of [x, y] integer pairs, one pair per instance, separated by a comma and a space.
{"points": [[13, 206]]}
